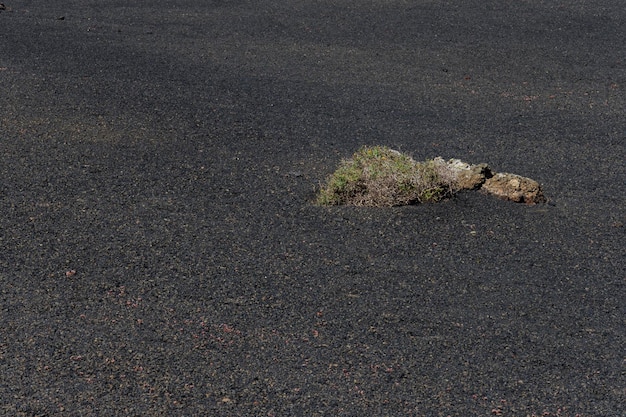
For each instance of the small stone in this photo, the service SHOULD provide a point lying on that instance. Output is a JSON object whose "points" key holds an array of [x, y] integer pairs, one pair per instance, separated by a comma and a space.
{"points": [[514, 188]]}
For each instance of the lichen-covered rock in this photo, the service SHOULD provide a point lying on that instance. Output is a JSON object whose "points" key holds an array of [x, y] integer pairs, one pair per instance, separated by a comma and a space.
{"points": [[514, 188], [469, 177]]}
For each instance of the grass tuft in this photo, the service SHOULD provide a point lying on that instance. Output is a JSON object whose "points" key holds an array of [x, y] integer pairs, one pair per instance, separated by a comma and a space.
{"points": [[382, 177]]}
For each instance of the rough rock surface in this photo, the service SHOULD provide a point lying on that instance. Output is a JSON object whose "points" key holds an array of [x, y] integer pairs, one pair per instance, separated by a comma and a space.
{"points": [[470, 177], [514, 188]]}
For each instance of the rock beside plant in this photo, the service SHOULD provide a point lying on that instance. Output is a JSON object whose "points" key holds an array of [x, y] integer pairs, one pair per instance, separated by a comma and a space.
{"points": [[514, 188], [382, 177], [468, 177]]}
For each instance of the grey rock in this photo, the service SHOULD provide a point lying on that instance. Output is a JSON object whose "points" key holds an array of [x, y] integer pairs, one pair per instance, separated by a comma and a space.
{"points": [[468, 176]]}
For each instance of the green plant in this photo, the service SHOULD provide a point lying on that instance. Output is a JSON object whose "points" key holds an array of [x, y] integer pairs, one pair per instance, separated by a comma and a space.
{"points": [[382, 177]]}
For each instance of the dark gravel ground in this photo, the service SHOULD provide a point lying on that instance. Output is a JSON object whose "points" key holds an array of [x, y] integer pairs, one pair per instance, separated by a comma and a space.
{"points": [[160, 254]]}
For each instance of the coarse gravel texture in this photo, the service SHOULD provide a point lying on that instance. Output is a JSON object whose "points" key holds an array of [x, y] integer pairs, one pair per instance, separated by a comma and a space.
{"points": [[160, 253]]}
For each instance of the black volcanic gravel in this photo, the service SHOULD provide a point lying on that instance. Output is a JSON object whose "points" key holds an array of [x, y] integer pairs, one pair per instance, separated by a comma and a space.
{"points": [[160, 255]]}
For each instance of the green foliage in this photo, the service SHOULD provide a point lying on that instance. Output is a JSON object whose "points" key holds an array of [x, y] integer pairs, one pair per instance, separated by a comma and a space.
{"points": [[382, 177]]}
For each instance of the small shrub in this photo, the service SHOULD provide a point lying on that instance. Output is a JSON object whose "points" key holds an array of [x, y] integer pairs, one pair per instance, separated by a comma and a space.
{"points": [[382, 177]]}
